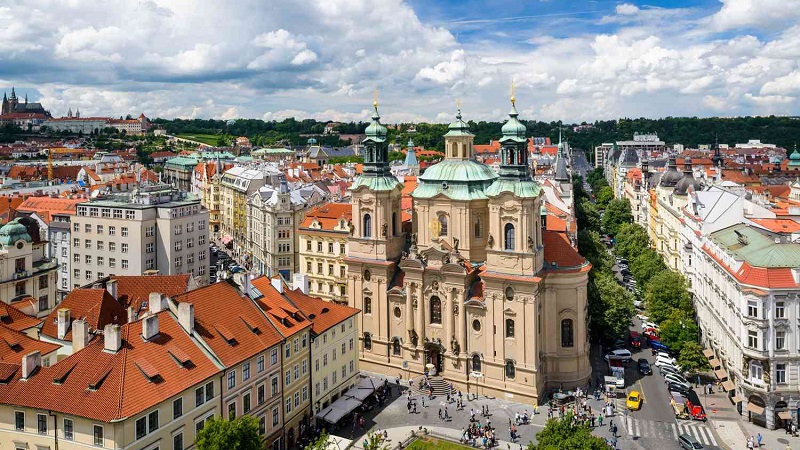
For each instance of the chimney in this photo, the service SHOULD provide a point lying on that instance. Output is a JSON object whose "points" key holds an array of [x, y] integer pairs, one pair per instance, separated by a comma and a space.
{"points": [[111, 287], [30, 364], [157, 302], [247, 287], [301, 282], [186, 316], [150, 327], [80, 335], [63, 322], [112, 338], [277, 283], [131, 314]]}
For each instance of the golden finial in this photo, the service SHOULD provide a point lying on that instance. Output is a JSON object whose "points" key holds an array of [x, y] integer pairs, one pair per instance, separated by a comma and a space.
{"points": [[375, 98], [513, 99], [458, 103]]}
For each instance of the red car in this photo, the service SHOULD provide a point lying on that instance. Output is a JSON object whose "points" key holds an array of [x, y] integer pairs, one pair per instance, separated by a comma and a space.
{"points": [[635, 339]]}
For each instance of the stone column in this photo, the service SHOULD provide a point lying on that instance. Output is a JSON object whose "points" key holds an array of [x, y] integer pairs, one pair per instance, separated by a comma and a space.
{"points": [[420, 318], [409, 307], [448, 324]]}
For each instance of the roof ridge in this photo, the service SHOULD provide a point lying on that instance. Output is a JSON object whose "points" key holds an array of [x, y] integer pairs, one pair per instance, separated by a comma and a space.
{"points": [[124, 369]]}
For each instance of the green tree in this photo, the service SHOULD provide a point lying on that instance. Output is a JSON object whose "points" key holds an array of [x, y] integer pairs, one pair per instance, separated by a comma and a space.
{"points": [[603, 196], [587, 214], [374, 441], [647, 264], [563, 433], [613, 310], [595, 175], [240, 433], [618, 212], [692, 359], [678, 329], [665, 291], [593, 250], [320, 443], [631, 241]]}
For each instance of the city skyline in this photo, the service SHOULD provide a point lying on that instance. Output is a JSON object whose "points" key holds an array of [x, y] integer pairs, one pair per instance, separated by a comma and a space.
{"points": [[571, 61]]}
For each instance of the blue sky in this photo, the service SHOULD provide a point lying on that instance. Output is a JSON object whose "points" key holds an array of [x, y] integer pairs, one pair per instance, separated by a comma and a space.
{"points": [[571, 60]]}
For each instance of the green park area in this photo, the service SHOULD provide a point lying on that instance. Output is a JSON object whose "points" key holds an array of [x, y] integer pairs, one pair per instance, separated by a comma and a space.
{"points": [[428, 443], [209, 139]]}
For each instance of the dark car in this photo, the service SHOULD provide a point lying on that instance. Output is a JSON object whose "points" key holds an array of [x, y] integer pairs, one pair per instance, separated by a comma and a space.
{"points": [[688, 442], [679, 388], [644, 367]]}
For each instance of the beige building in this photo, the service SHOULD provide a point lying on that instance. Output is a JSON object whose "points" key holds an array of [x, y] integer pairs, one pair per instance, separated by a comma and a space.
{"points": [[323, 248], [482, 284], [236, 186], [28, 278], [154, 228], [205, 184]]}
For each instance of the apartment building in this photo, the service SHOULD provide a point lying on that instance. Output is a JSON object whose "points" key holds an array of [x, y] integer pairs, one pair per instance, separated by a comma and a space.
{"points": [[322, 249], [155, 228], [249, 348], [145, 384], [27, 276], [205, 184], [295, 327], [272, 215], [237, 185], [334, 349]]}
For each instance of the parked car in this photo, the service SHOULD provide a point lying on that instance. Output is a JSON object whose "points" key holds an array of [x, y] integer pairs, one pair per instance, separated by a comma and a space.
{"points": [[646, 325], [638, 304], [665, 354], [672, 378], [657, 345], [634, 401], [622, 354], [644, 367], [688, 442], [669, 369], [679, 388], [660, 361]]}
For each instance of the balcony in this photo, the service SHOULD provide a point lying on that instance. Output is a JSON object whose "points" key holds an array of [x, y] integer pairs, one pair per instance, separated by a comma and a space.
{"points": [[39, 267]]}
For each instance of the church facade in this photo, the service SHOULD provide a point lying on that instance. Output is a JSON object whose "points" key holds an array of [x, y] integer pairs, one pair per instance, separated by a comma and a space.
{"points": [[480, 293], [12, 105]]}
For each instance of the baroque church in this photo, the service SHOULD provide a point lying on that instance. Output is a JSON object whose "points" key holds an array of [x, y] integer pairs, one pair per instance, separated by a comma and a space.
{"points": [[12, 105], [479, 294]]}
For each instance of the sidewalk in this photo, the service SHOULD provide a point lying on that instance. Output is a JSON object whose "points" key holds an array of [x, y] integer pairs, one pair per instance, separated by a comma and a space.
{"points": [[399, 434]]}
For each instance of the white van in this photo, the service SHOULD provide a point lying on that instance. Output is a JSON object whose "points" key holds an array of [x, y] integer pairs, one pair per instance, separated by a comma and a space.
{"points": [[622, 354], [664, 360]]}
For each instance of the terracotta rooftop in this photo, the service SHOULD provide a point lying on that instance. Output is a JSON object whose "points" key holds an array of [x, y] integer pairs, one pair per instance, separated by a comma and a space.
{"points": [[14, 345], [15, 319], [96, 306], [133, 290], [324, 315], [779, 225], [240, 333], [328, 215], [557, 249], [45, 207], [107, 386], [286, 316]]}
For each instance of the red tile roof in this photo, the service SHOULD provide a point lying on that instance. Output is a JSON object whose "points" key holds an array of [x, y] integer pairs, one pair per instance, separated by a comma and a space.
{"points": [[45, 207], [240, 333], [558, 249], [96, 306], [322, 314], [16, 319], [286, 317], [779, 225], [328, 215], [108, 386], [132, 290], [14, 345], [772, 277]]}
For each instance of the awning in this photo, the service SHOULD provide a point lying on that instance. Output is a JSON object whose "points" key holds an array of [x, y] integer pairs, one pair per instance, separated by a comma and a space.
{"points": [[721, 374], [728, 385], [338, 410], [737, 398], [363, 389], [708, 353], [714, 363], [755, 409], [785, 415], [226, 239]]}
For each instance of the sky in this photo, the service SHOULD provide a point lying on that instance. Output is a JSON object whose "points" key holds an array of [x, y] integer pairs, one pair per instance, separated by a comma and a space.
{"points": [[570, 60]]}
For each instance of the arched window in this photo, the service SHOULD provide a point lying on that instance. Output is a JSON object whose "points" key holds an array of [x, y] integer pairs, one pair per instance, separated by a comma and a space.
{"points": [[476, 363], [511, 371], [509, 328], [367, 305], [511, 157], [396, 347], [367, 226], [478, 231], [442, 225], [367, 341], [436, 310], [509, 234], [454, 149], [394, 224], [566, 333]]}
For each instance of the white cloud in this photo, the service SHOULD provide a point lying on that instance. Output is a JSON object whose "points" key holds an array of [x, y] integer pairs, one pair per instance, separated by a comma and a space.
{"points": [[755, 13], [446, 72], [626, 9]]}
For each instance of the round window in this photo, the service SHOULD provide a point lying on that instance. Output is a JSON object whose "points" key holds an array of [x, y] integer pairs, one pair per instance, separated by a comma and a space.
{"points": [[476, 325], [20, 245], [397, 312], [367, 275]]}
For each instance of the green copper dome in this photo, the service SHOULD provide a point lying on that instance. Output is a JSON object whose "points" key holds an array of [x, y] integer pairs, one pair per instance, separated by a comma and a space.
{"points": [[458, 128], [375, 131], [12, 232], [513, 129], [795, 156], [455, 179]]}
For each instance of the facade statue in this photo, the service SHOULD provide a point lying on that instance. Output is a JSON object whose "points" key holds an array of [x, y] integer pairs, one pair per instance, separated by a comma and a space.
{"points": [[384, 229], [455, 244], [413, 337], [490, 241], [454, 346]]}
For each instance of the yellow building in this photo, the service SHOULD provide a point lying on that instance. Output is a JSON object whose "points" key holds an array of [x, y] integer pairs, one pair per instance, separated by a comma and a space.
{"points": [[236, 185], [206, 185], [28, 278], [323, 248]]}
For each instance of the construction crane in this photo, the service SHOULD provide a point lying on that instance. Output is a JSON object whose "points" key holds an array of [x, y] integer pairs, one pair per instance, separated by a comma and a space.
{"points": [[50, 153]]}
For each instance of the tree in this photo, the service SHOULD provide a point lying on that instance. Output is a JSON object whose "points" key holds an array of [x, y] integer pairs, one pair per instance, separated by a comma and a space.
{"points": [[613, 310], [603, 196], [618, 212], [373, 441], [564, 433], [320, 443], [593, 250], [631, 241], [678, 329], [646, 265], [666, 291], [691, 359], [240, 433], [594, 175], [587, 214]]}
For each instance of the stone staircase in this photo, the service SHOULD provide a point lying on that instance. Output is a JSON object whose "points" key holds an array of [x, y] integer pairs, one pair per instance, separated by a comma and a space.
{"points": [[439, 386]]}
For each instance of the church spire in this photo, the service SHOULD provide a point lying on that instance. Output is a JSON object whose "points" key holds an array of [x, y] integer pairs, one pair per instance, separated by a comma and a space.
{"points": [[376, 148], [26, 98], [514, 145], [13, 94]]}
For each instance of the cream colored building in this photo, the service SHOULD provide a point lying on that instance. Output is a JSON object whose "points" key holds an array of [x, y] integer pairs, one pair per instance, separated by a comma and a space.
{"points": [[28, 278], [206, 185], [236, 186], [483, 285], [323, 248], [154, 228]]}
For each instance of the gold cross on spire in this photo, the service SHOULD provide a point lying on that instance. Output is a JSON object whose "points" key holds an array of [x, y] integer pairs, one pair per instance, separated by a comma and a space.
{"points": [[375, 98], [458, 103], [513, 98]]}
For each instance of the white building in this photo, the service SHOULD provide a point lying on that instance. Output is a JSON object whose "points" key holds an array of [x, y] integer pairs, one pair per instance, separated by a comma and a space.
{"points": [[154, 228]]}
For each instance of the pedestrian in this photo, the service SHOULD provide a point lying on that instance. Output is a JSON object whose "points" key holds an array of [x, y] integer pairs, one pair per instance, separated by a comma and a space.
{"points": [[440, 414], [600, 419], [610, 424], [758, 438]]}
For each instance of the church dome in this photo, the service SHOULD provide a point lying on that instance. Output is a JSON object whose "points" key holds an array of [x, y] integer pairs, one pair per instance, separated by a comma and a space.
{"points": [[688, 180], [795, 156], [375, 129], [14, 231], [456, 179], [513, 128], [671, 176], [459, 127]]}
